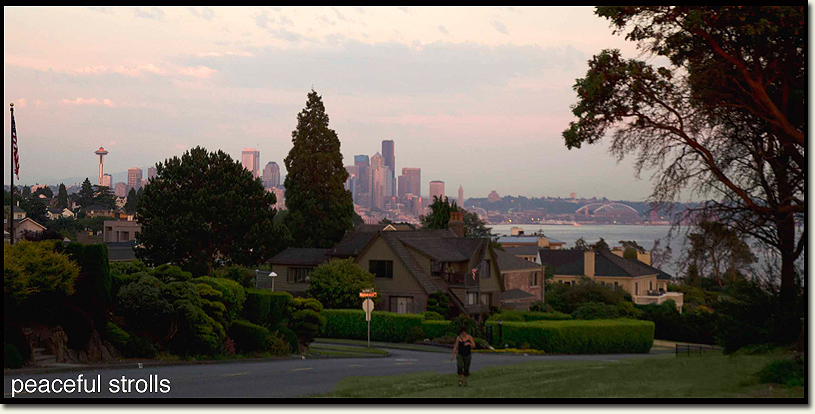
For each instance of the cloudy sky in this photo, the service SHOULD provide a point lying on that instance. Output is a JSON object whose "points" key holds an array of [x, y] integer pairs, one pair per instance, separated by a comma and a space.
{"points": [[472, 96]]}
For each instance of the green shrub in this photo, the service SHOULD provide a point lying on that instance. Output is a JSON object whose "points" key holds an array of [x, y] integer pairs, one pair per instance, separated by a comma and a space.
{"points": [[579, 337], [34, 276], [278, 345], [116, 335], [11, 356], [242, 275], [437, 329], [267, 308], [140, 347], [539, 306], [567, 298], [233, 295], [385, 326], [143, 304], [432, 316], [439, 303], [546, 316], [469, 323], [786, 372], [198, 333], [289, 336], [249, 337], [169, 273], [306, 320], [414, 334], [337, 284], [595, 310], [507, 315]]}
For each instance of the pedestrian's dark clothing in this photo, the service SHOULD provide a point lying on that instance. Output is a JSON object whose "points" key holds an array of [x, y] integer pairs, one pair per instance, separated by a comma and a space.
{"points": [[463, 358]]}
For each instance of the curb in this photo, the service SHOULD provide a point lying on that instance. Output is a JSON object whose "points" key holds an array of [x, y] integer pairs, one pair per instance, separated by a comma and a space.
{"points": [[135, 365]]}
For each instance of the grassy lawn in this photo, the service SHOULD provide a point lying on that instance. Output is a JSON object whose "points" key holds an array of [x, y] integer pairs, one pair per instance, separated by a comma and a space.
{"points": [[409, 347], [325, 350], [709, 375]]}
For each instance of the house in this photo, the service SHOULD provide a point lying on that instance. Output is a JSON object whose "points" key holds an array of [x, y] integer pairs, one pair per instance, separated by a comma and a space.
{"points": [[522, 279], [525, 252], [19, 213], [25, 225], [645, 283], [115, 231], [522, 240], [98, 211], [55, 213], [410, 265]]}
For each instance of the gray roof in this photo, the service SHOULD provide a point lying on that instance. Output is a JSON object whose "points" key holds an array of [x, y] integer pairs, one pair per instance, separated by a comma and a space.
{"points": [[570, 262], [508, 262], [526, 250], [121, 251], [368, 228], [306, 257], [353, 244]]}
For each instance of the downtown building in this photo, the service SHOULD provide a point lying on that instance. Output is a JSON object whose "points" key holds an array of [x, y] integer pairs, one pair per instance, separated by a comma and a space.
{"points": [[250, 159], [271, 175], [134, 178]]}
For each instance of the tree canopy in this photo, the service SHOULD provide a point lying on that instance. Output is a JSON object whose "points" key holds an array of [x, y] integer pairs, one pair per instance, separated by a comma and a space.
{"points": [[726, 120], [320, 208], [337, 284], [204, 209]]}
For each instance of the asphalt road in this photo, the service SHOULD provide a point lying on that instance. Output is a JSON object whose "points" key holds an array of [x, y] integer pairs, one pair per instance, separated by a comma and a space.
{"points": [[268, 379]]}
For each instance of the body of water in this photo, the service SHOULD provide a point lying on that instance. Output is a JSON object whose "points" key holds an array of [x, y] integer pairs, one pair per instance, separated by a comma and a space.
{"points": [[591, 233]]}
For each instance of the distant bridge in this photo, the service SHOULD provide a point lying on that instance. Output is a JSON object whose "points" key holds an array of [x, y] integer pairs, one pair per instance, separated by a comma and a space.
{"points": [[606, 209]]}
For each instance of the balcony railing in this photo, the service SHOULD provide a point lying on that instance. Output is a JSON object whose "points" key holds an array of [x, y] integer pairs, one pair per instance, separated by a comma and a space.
{"points": [[461, 280]]}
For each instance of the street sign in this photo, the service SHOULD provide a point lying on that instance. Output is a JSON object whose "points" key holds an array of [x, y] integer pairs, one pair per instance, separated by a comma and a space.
{"points": [[368, 307], [367, 294]]}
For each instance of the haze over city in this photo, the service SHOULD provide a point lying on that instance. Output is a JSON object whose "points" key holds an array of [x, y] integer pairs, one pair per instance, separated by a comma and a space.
{"points": [[476, 97]]}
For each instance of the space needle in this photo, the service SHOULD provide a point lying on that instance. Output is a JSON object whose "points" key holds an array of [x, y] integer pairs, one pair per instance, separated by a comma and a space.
{"points": [[101, 153]]}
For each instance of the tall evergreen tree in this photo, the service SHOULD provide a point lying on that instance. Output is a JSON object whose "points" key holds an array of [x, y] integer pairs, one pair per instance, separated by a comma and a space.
{"points": [[104, 196], [26, 192], [62, 197], [86, 194], [320, 208], [132, 201]]}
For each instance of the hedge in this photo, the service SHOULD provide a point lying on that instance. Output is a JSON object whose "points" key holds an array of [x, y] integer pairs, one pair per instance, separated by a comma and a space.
{"points": [[264, 307], [249, 337], [233, 296], [579, 337], [437, 329], [546, 316], [385, 326]]}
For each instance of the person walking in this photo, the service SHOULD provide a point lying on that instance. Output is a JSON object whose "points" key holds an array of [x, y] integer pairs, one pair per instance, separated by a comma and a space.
{"points": [[462, 353]]}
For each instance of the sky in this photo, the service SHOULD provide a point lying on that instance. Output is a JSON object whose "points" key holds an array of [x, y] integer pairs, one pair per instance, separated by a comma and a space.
{"points": [[477, 97]]}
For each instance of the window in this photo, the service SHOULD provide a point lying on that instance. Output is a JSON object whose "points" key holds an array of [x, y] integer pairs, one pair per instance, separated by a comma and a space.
{"points": [[533, 279], [636, 288], [650, 285], [381, 268], [298, 274], [485, 299], [472, 298]]}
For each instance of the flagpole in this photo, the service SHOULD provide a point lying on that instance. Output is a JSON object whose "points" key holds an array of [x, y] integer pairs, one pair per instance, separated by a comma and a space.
{"points": [[11, 199]]}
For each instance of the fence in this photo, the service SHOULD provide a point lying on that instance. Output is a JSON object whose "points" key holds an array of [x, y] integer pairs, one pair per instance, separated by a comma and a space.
{"points": [[684, 348]]}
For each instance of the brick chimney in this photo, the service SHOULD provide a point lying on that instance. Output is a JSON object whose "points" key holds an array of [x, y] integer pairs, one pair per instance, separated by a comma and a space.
{"points": [[456, 223], [588, 263]]}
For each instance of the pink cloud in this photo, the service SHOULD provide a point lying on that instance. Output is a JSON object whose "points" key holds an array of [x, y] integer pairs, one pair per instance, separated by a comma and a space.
{"points": [[88, 101], [21, 102], [201, 72], [138, 71]]}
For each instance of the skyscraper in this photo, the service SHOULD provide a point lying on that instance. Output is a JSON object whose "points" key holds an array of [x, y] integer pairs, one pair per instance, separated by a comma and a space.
{"points": [[363, 184], [133, 178], [271, 175], [351, 182], [106, 180], [250, 158], [381, 181], [121, 189], [414, 180], [389, 159], [437, 190], [404, 186], [101, 153]]}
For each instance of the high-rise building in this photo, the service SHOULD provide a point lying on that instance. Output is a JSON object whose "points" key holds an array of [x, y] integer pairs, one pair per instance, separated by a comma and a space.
{"points": [[151, 173], [404, 186], [271, 175], [389, 160], [460, 196], [381, 181], [250, 158], [363, 184], [120, 190], [106, 180], [101, 153], [134, 178], [436, 190], [350, 183], [414, 180]]}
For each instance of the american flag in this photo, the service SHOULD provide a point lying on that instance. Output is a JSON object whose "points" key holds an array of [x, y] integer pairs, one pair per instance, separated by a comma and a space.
{"points": [[14, 147]]}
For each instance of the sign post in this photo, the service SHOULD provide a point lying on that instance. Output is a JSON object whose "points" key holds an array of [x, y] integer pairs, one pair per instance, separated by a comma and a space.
{"points": [[368, 307]]}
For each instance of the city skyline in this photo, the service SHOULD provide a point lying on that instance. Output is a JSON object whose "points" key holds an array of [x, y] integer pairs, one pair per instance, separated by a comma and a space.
{"points": [[478, 90]]}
